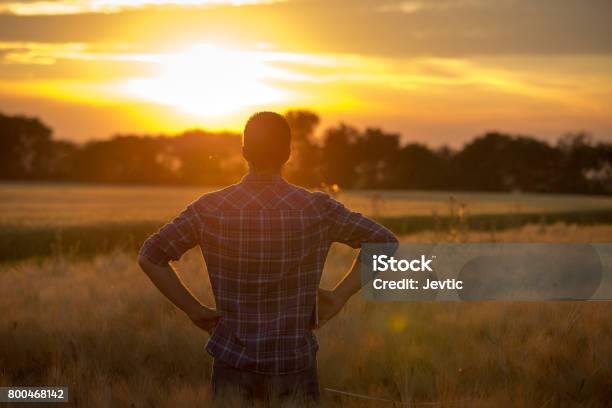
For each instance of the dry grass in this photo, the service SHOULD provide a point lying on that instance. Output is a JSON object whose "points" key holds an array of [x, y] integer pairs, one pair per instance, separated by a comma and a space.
{"points": [[99, 327], [78, 204]]}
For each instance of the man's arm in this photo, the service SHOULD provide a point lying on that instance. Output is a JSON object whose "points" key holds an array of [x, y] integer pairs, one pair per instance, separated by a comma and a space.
{"points": [[332, 301], [168, 244], [353, 229], [165, 278]]}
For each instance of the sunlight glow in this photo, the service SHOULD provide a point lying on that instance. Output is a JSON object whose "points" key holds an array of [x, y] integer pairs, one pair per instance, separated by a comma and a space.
{"points": [[107, 6], [220, 86], [208, 80]]}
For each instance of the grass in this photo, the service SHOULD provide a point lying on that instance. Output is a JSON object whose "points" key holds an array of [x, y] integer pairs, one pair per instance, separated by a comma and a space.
{"points": [[25, 241], [98, 326], [38, 220], [63, 204], [78, 312]]}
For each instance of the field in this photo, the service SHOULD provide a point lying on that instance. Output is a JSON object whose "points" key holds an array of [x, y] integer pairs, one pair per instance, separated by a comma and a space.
{"points": [[94, 323], [77, 204], [40, 220]]}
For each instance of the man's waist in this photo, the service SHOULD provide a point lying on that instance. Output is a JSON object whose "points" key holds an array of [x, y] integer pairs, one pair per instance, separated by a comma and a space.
{"points": [[273, 322], [268, 352], [266, 330]]}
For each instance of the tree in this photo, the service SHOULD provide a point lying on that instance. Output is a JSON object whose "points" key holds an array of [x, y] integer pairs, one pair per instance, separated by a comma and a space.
{"points": [[373, 159], [418, 167], [25, 148], [338, 156], [208, 158], [579, 157], [303, 167], [376, 155]]}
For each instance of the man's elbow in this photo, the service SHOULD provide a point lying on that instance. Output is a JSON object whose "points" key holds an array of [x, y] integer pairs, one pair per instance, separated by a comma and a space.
{"points": [[387, 237], [148, 255], [143, 261], [389, 241], [147, 263], [393, 243], [392, 239]]}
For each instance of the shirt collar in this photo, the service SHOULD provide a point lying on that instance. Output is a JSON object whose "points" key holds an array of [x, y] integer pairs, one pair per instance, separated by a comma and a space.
{"points": [[262, 178]]}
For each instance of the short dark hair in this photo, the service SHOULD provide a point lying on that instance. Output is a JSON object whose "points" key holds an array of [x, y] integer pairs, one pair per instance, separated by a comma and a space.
{"points": [[266, 141]]}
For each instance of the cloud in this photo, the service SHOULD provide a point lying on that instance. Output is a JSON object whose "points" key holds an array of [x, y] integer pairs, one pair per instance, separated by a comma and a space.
{"points": [[392, 28], [337, 79], [542, 63], [67, 7]]}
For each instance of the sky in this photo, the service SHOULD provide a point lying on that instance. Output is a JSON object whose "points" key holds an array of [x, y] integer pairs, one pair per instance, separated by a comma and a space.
{"points": [[437, 71]]}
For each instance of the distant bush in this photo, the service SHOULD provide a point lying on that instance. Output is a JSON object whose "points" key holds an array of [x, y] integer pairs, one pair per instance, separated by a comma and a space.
{"points": [[341, 155]]}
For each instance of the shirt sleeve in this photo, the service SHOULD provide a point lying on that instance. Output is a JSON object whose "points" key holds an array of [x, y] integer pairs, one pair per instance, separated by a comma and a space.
{"points": [[173, 239], [354, 229]]}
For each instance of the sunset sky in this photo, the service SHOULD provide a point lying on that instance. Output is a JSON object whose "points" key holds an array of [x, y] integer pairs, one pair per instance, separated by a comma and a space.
{"points": [[437, 71]]}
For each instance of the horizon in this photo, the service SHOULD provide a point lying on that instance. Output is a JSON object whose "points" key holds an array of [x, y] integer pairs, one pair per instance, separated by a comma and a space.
{"points": [[92, 69], [319, 132]]}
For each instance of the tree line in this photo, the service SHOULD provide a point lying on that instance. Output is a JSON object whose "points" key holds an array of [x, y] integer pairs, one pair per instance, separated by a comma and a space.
{"points": [[344, 155]]}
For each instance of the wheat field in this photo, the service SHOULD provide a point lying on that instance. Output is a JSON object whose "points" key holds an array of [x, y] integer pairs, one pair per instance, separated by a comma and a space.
{"points": [[99, 327], [63, 204]]}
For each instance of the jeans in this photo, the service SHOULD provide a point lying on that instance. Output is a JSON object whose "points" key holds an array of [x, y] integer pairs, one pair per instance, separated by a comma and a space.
{"points": [[230, 381]]}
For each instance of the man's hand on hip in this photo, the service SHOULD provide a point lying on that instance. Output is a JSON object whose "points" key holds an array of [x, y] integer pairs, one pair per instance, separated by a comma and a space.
{"points": [[168, 282], [329, 303], [205, 318]]}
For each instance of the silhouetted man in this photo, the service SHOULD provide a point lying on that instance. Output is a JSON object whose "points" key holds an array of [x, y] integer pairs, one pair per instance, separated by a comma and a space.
{"points": [[264, 242]]}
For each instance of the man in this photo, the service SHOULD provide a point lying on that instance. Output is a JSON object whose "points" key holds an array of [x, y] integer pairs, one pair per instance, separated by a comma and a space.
{"points": [[264, 242]]}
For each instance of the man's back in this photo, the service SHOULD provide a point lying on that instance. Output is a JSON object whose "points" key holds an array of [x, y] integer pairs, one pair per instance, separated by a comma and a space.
{"points": [[265, 242]]}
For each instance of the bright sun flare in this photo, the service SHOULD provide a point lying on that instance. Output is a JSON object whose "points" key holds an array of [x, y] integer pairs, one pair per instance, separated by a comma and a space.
{"points": [[208, 80]]}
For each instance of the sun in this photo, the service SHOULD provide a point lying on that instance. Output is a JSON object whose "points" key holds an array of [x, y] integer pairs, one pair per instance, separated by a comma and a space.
{"points": [[208, 80]]}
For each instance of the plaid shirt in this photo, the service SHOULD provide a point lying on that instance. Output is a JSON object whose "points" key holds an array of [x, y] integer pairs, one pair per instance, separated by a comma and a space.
{"points": [[264, 242]]}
